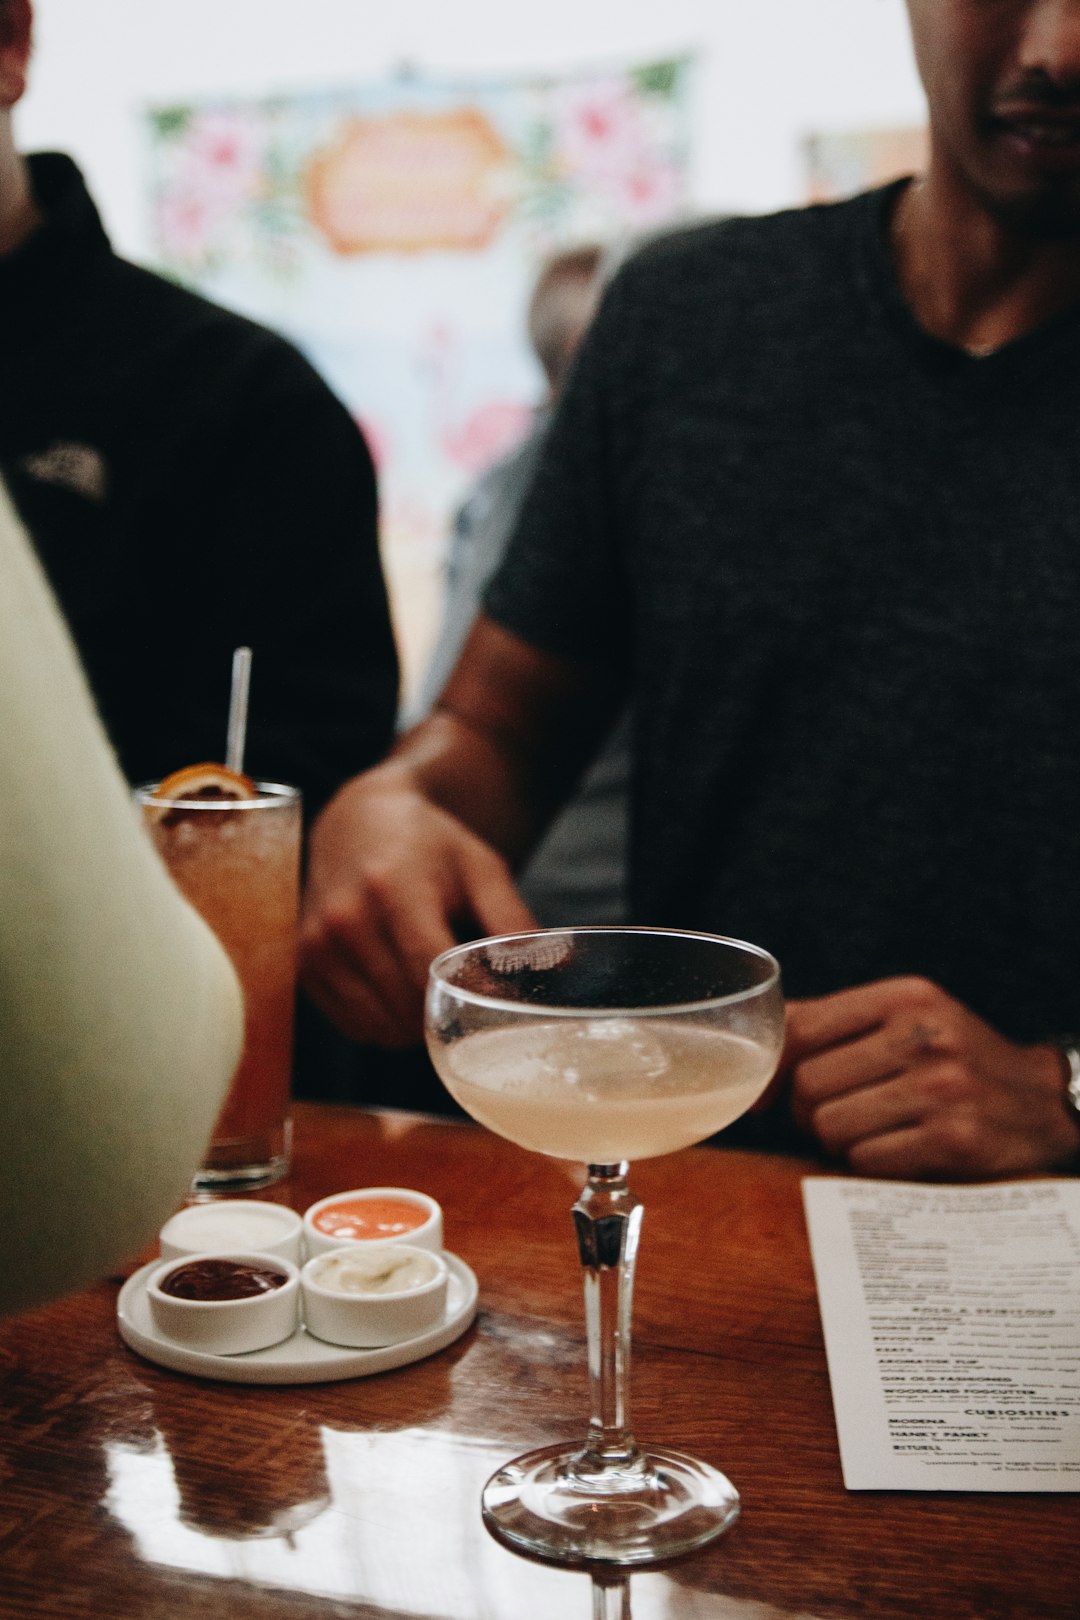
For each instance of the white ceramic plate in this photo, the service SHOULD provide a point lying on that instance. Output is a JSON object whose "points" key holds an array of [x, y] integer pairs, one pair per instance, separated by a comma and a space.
{"points": [[300, 1359]]}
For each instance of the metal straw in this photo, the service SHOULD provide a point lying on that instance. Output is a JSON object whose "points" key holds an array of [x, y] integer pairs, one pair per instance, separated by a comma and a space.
{"points": [[238, 709]]}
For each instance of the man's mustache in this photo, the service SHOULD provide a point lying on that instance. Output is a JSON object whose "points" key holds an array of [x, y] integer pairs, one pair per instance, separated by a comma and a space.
{"points": [[1036, 92]]}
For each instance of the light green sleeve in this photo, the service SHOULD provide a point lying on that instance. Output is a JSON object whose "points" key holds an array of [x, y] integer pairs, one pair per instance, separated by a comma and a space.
{"points": [[120, 1016]]}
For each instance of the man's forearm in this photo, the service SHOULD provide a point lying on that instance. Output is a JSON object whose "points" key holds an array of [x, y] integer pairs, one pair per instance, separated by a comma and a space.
{"points": [[505, 741], [466, 773]]}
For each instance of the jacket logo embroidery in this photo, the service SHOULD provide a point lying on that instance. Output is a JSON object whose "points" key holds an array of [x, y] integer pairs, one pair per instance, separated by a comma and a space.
{"points": [[77, 467]]}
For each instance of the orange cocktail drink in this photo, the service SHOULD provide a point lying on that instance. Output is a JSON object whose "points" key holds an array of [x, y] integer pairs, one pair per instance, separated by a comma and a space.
{"points": [[238, 861]]}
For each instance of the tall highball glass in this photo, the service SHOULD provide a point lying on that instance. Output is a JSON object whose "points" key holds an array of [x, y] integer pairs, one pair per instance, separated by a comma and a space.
{"points": [[604, 1045], [238, 862]]}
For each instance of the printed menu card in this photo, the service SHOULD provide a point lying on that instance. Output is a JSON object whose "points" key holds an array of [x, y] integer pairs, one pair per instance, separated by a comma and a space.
{"points": [[952, 1330]]}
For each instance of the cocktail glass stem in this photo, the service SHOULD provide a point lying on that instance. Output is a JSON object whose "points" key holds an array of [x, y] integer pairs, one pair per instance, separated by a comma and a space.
{"points": [[611, 1597], [607, 1502], [607, 1219]]}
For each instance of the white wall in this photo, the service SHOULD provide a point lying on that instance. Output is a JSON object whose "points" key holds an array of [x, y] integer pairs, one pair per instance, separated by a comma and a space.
{"points": [[771, 70]]}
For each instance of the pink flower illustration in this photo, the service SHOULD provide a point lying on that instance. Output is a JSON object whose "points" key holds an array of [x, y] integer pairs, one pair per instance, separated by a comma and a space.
{"points": [[213, 173], [485, 434], [601, 132], [472, 435], [186, 226], [649, 193], [378, 439], [221, 158]]}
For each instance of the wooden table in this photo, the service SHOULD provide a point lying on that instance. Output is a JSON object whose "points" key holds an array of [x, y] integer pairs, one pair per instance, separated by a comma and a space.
{"points": [[130, 1491]]}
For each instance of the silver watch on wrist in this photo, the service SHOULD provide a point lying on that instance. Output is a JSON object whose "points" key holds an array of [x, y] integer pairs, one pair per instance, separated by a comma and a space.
{"points": [[1069, 1047]]}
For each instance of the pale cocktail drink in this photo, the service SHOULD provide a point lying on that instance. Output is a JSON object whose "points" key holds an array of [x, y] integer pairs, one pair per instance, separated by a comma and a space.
{"points": [[605, 1045], [238, 862], [604, 1089]]}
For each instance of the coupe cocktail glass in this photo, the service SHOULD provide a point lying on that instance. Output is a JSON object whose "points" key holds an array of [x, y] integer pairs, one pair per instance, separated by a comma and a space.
{"points": [[238, 862], [604, 1045]]}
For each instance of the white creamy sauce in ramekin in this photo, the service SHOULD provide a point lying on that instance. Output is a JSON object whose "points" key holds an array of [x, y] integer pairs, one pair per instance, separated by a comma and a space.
{"points": [[389, 1271], [208, 1228]]}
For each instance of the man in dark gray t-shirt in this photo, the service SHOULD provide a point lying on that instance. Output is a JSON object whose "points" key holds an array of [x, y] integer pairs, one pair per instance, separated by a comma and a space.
{"points": [[837, 563], [812, 499]]}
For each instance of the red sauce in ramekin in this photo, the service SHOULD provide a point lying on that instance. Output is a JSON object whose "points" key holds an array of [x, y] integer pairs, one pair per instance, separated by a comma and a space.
{"points": [[370, 1218]]}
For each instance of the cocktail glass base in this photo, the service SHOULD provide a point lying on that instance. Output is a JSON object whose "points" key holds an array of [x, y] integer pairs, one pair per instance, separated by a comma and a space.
{"points": [[568, 1506], [245, 1166]]}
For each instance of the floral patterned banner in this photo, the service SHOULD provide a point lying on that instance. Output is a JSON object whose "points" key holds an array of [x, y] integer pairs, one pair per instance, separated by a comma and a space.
{"points": [[394, 232]]}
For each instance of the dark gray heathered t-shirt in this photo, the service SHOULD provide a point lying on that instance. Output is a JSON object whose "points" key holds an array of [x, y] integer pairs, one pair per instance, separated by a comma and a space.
{"points": [[839, 565]]}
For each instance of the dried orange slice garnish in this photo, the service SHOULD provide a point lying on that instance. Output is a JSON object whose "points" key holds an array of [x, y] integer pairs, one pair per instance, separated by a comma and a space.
{"points": [[206, 781]]}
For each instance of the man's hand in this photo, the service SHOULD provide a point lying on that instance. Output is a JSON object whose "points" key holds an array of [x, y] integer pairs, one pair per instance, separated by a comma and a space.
{"points": [[899, 1079], [391, 878], [414, 854]]}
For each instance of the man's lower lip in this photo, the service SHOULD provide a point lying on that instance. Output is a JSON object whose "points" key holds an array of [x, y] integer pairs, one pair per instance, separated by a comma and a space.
{"points": [[1049, 157]]}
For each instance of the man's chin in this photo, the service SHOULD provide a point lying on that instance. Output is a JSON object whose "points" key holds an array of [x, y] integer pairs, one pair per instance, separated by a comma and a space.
{"points": [[1048, 216]]}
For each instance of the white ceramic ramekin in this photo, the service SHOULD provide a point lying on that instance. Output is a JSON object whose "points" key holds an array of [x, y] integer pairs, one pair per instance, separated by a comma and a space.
{"points": [[227, 1327], [387, 1314], [234, 1223], [427, 1235]]}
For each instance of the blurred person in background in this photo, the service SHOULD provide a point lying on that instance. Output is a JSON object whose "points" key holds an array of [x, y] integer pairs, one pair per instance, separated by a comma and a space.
{"points": [[810, 500], [577, 874], [120, 1017], [191, 485]]}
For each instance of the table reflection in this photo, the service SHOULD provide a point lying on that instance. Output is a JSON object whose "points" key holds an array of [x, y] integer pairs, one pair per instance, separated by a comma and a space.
{"points": [[362, 1508]]}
